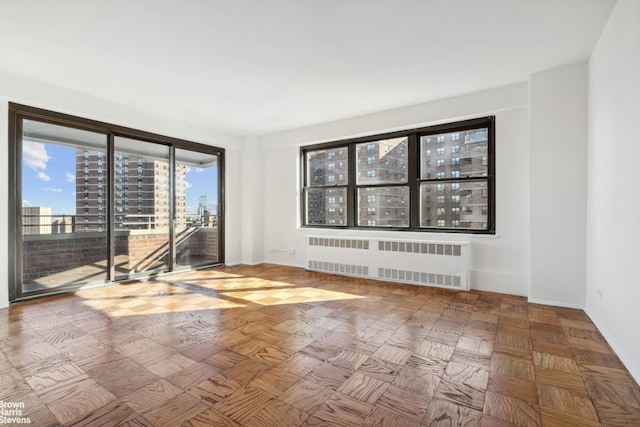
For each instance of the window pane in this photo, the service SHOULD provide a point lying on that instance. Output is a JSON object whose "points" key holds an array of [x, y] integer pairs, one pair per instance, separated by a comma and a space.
{"points": [[327, 167], [383, 207], [454, 205], [196, 208], [327, 206], [64, 196], [141, 206], [454, 154], [382, 162]]}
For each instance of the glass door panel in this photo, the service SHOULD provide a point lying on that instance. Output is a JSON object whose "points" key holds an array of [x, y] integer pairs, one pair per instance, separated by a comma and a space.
{"points": [[196, 204], [63, 221], [141, 205]]}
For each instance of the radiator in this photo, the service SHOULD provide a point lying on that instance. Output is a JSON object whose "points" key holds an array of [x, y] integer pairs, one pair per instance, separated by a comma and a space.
{"points": [[426, 263]]}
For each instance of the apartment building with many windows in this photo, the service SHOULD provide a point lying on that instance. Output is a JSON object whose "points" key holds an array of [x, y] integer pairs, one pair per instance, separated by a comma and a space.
{"points": [[141, 197]]}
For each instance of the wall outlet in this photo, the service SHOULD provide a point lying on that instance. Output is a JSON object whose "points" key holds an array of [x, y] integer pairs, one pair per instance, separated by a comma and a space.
{"points": [[292, 251], [599, 294]]}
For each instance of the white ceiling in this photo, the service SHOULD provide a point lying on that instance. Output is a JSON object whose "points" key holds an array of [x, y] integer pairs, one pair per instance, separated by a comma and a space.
{"points": [[253, 67]]}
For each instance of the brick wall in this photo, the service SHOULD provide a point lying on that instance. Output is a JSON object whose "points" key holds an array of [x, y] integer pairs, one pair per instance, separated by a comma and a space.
{"points": [[203, 244], [49, 254], [209, 242], [146, 249]]}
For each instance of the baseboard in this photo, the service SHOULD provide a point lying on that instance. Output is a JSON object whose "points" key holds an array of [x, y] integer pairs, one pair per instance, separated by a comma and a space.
{"points": [[286, 264], [502, 283], [630, 362], [231, 264], [555, 303]]}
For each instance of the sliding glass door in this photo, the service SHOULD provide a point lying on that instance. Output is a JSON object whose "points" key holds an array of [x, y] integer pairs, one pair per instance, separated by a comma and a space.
{"points": [[141, 205], [62, 229], [197, 213], [94, 203]]}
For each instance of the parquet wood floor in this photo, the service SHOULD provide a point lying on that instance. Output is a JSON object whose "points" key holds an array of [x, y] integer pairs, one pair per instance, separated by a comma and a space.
{"points": [[270, 345]]}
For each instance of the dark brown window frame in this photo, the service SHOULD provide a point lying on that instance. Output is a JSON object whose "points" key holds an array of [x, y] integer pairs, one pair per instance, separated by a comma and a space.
{"points": [[19, 112], [414, 179]]}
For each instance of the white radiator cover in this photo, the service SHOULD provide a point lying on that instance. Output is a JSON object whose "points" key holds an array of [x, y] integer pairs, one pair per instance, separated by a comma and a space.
{"points": [[425, 263]]}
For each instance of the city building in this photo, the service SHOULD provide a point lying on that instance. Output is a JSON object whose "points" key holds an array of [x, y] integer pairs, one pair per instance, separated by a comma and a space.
{"points": [[63, 224], [36, 220], [141, 197], [202, 205], [454, 204], [383, 198]]}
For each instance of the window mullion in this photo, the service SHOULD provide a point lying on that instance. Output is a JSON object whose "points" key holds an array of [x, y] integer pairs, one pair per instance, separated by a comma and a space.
{"points": [[352, 191], [413, 174]]}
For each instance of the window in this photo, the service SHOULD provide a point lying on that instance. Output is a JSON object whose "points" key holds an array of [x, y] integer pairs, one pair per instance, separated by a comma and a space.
{"points": [[322, 187], [81, 205], [385, 180], [469, 179]]}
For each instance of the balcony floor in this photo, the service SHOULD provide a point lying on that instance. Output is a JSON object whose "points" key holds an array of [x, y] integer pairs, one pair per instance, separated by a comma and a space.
{"points": [[97, 273]]}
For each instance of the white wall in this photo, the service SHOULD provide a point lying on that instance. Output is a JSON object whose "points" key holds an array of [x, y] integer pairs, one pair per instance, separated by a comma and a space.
{"points": [[233, 207], [558, 169], [251, 202], [499, 263], [613, 232], [37, 94]]}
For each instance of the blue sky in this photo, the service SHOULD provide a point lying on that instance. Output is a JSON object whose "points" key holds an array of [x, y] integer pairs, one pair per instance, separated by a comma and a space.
{"points": [[48, 179], [201, 182]]}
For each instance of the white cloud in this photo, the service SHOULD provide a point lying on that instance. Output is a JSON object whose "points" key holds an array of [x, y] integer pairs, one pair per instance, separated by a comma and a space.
{"points": [[187, 184], [70, 177], [25, 202], [187, 169], [199, 170], [52, 190], [44, 177], [34, 155]]}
